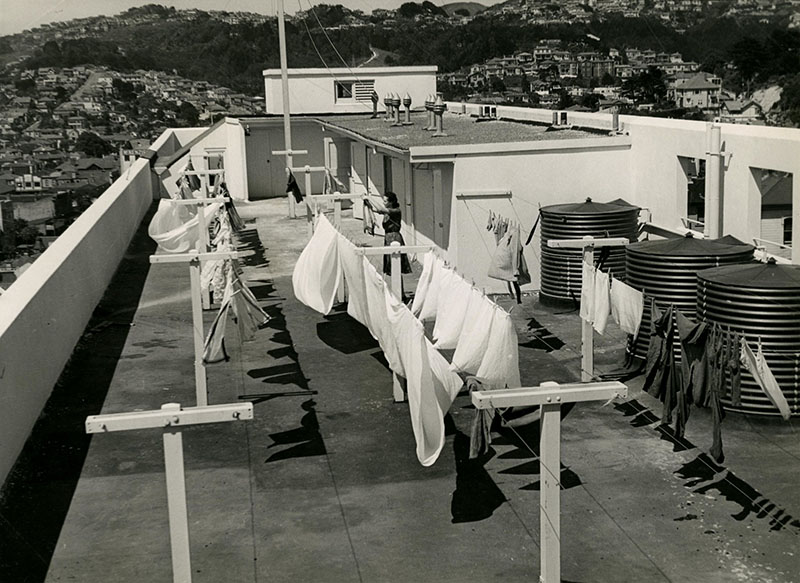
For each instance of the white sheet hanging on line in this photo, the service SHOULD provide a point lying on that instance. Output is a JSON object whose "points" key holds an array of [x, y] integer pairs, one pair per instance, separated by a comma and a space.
{"points": [[171, 229], [431, 387], [500, 364], [317, 274], [451, 314], [353, 270], [379, 325], [627, 305], [428, 261], [431, 301], [602, 301], [474, 338]]}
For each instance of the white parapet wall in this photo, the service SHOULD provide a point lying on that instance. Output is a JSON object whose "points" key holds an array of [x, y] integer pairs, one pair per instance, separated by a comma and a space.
{"points": [[44, 313]]}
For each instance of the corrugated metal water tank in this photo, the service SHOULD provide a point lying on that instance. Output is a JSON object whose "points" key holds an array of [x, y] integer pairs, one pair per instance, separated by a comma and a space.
{"points": [[758, 301], [666, 270], [561, 268]]}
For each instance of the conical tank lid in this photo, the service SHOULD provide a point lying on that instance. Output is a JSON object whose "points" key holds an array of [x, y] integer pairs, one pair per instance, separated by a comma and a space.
{"points": [[754, 275], [588, 207], [689, 246]]}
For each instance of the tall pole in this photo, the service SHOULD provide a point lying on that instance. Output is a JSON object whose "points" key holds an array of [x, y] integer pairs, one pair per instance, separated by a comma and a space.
{"points": [[287, 128], [713, 210]]}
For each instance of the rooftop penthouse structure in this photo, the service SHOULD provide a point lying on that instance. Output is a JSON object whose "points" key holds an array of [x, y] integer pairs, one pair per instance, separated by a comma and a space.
{"points": [[323, 483]]}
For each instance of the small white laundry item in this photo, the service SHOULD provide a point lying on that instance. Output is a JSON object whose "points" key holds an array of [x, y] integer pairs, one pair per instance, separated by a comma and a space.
{"points": [[173, 230], [474, 337], [431, 301], [353, 269], [378, 295], [500, 364], [317, 274], [602, 301], [428, 261], [587, 291], [451, 313], [627, 305], [430, 385], [757, 365]]}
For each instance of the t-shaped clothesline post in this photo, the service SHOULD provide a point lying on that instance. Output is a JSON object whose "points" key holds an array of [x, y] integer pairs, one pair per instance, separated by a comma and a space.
{"points": [[171, 418], [587, 243], [194, 259], [550, 396], [396, 287], [290, 153]]}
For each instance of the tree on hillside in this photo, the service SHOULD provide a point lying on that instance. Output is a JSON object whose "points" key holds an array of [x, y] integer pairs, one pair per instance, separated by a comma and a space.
{"points": [[187, 114], [93, 145], [648, 86], [790, 100], [748, 57]]}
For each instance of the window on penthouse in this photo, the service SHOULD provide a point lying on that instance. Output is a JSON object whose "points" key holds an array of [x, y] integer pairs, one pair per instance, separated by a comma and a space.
{"points": [[343, 90]]}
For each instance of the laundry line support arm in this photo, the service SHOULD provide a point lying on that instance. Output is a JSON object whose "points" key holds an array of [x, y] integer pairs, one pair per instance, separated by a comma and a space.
{"points": [[171, 418], [587, 243], [549, 396]]}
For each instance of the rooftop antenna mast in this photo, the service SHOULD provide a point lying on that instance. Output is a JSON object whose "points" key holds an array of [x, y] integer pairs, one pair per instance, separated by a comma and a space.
{"points": [[287, 127]]}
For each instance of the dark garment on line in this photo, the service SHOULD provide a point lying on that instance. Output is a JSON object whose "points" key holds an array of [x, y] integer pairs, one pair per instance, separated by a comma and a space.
{"points": [[693, 366], [656, 351], [294, 188], [717, 351], [735, 369]]}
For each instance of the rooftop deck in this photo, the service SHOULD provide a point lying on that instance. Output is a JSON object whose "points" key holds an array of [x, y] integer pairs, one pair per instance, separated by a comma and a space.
{"points": [[324, 483], [460, 130]]}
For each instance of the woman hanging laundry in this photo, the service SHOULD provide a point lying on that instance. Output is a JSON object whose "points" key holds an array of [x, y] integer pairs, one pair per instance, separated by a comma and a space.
{"points": [[392, 221]]}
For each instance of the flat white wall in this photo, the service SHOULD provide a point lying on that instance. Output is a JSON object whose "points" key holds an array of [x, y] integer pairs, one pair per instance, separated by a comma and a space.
{"points": [[44, 312], [543, 176], [312, 90]]}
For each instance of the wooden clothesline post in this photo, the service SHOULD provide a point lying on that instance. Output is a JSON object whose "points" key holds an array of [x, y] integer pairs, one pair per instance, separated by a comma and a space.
{"points": [[587, 243], [171, 418], [396, 287], [194, 259], [290, 153], [550, 396]]}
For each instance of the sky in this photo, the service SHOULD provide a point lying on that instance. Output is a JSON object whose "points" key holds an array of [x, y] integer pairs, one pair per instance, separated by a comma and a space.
{"points": [[18, 15]]}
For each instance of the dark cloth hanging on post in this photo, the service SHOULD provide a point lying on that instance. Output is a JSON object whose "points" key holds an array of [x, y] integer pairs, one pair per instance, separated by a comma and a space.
{"points": [[293, 188], [693, 366], [735, 369], [716, 352]]}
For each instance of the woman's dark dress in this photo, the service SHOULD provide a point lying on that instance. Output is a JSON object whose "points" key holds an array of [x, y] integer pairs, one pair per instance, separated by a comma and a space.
{"points": [[391, 228]]}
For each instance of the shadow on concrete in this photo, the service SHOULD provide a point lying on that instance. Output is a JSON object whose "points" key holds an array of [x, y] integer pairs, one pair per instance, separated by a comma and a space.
{"points": [[702, 474], [540, 338], [476, 496], [248, 240], [37, 494], [307, 438], [343, 333]]}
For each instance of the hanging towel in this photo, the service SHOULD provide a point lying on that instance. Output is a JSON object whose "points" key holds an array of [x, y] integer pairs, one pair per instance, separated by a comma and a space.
{"points": [[627, 305], [353, 269], [247, 314], [379, 325], [430, 302], [757, 365], [294, 188], [451, 314], [317, 274], [214, 346], [500, 364], [474, 338], [602, 301], [428, 261], [369, 219], [508, 261], [173, 231], [587, 291]]}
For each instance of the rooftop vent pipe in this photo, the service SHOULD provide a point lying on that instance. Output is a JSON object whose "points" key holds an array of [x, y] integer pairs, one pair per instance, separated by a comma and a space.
{"points": [[387, 102], [429, 101], [438, 112], [407, 105], [374, 97], [396, 109]]}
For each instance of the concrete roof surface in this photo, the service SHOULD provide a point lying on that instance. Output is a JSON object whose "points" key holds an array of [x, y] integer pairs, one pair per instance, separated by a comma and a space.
{"points": [[460, 129], [324, 484]]}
